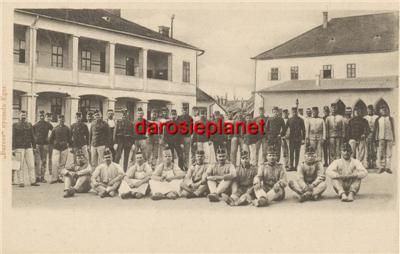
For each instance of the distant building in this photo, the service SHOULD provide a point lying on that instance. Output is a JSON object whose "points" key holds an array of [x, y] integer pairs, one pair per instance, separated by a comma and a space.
{"points": [[234, 106], [69, 60], [208, 104], [351, 60]]}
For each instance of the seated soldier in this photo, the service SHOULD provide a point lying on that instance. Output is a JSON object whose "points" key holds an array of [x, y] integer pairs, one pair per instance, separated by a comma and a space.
{"points": [[346, 174], [194, 184], [242, 186], [270, 182], [77, 176], [311, 178], [136, 180], [166, 179], [219, 176], [107, 176]]}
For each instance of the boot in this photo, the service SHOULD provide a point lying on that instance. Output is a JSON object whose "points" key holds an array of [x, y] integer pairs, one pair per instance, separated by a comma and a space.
{"points": [[228, 200], [343, 197], [260, 202], [213, 197], [350, 197]]}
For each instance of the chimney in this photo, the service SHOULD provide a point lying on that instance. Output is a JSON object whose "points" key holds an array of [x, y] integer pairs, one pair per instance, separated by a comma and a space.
{"points": [[325, 19], [116, 12], [164, 30]]}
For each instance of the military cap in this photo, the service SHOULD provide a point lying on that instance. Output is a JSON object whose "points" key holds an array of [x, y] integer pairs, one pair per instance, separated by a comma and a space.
{"points": [[272, 150], [107, 152], [139, 151], [326, 108], [310, 149], [300, 109], [22, 112], [333, 104], [216, 112], [61, 117], [139, 109], [285, 111], [110, 110], [346, 147], [315, 108], [96, 112], [194, 108], [349, 109], [154, 110], [41, 112], [262, 108], [48, 114], [308, 109], [244, 154], [221, 150], [294, 108], [370, 107], [275, 108], [90, 113], [199, 152], [79, 114], [79, 152], [173, 111], [383, 106]]}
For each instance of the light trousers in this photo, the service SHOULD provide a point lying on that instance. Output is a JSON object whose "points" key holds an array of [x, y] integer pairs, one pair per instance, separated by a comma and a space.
{"points": [[59, 160], [26, 174], [41, 154], [97, 154], [270, 195], [385, 153], [218, 187], [344, 186], [358, 149]]}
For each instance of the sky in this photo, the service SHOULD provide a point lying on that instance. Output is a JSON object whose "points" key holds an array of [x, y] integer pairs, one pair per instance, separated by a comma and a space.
{"points": [[232, 33]]}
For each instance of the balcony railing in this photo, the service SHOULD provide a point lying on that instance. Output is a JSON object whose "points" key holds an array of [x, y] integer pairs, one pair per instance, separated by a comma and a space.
{"points": [[21, 71], [129, 82], [53, 74], [94, 78]]}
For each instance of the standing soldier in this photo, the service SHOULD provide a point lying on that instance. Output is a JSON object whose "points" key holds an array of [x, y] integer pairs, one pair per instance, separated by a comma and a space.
{"points": [[174, 141], [124, 139], [194, 184], [335, 133], [347, 116], [111, 126], [153, 141], [262, 141], [242, 187], [295, 132], [315, 132], [52, 119], [90, 119], [80, 137], [229, 136], [99, 139], [371, 145], [275, 131], [186, 138], [357, 131], [237, 141], [42, 130], [162, 119], [250, 141], [219, 176], [325, 145], [285, 141], [270, 182], [60, 138], [201, 141], [140, 135], [23, 143], [385, 135], [219, 140]]}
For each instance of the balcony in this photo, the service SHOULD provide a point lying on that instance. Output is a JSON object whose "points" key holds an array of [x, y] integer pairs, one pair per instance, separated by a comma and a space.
{"points": [[155, 85], [53, 74], [129, 82], [21, 71], [94, 79]]}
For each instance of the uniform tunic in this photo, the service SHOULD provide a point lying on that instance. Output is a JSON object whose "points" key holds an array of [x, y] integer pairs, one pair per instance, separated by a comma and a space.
{"points": [[80, 135], [135, 174], [104, 173], [165, 187], [41, 130], [268, 176]]}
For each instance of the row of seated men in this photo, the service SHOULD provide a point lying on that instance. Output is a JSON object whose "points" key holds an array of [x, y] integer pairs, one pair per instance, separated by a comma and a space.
{"points": [[243, 185]]}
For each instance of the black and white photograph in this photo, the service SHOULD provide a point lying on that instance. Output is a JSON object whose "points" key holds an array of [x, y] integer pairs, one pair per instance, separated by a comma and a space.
{"points": [[200, 127]]}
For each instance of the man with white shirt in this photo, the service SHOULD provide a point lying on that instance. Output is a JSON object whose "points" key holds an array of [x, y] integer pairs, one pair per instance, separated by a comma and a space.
{"points": [[315, 132], [370, 141], [385, 135], [346, 174], [111, 125], [335, 128]]}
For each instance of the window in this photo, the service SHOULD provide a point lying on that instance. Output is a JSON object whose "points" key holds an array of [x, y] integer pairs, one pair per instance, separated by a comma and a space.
{"points": [[56, 105], [327, 71], [86, 60], [130, 66], [57, 56], [186, 72], [294, 72], [21, 51], [274, 74], [102, 61], [351, 70]]}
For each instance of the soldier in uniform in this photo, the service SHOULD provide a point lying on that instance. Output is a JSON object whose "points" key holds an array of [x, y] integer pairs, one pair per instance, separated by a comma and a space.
{"points": [[77, 175], [80, 137], [23, 143], [89, 122], [202, 142], [194, 184], [50, 153], [111, 126], [262, 141], [153, 141], [346, 174], [315, 132], [346, 119], [174, 141], [219, 140], [136, 180], [285, 141], [270, 182], [242, 186], [61, 139], [295, 132], [140, 136], [370, 141], [334, 132], [186, 138], [219, 176], [325, 144], [250, 143], [385, 135], [99, 138], [310, 182], [357, 131], [124, 139], [275, 131], [107, 177], [42, 130], [237, 141], [167, 178]]}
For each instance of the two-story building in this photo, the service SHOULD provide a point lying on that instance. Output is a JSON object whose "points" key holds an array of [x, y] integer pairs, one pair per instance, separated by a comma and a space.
{"points": [[69, 60], [350, 60]]}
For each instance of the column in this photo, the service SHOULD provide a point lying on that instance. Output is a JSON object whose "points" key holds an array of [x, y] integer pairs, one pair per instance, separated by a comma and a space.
{"points": [[170, 106], [143, 105], [170, 67], [108, 103], [28, 103], [112, 64], [32, 52], [143, 66], [71, 108], [75, 59]]}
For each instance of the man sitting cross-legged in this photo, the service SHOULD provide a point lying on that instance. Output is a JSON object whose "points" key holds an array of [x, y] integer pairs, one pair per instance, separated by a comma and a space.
{"points": [[77, 176], [242, 186], [107, 176], [270, 182], [166, 179], [310, 183], [346, 174], [136, 180], [219, 176], [195, 184]]}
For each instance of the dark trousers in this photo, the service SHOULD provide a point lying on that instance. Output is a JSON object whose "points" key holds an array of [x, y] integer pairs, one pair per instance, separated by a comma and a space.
{"points": [[176, 147], [325, 147], [275, 142], [123, 146], [294, 152]]}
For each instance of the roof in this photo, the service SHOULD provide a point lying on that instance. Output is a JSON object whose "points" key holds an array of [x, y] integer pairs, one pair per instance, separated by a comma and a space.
{"points": [[94, 17], [204, 97], [236, 105], [347, 35], [386, 82]]}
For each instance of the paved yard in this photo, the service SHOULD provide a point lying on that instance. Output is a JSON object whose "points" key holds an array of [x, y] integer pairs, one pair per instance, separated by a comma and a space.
{"points": [[48, 222]]}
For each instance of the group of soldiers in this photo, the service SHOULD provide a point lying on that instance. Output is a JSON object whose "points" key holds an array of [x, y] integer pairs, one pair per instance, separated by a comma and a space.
{"points": [[170, 166]]}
